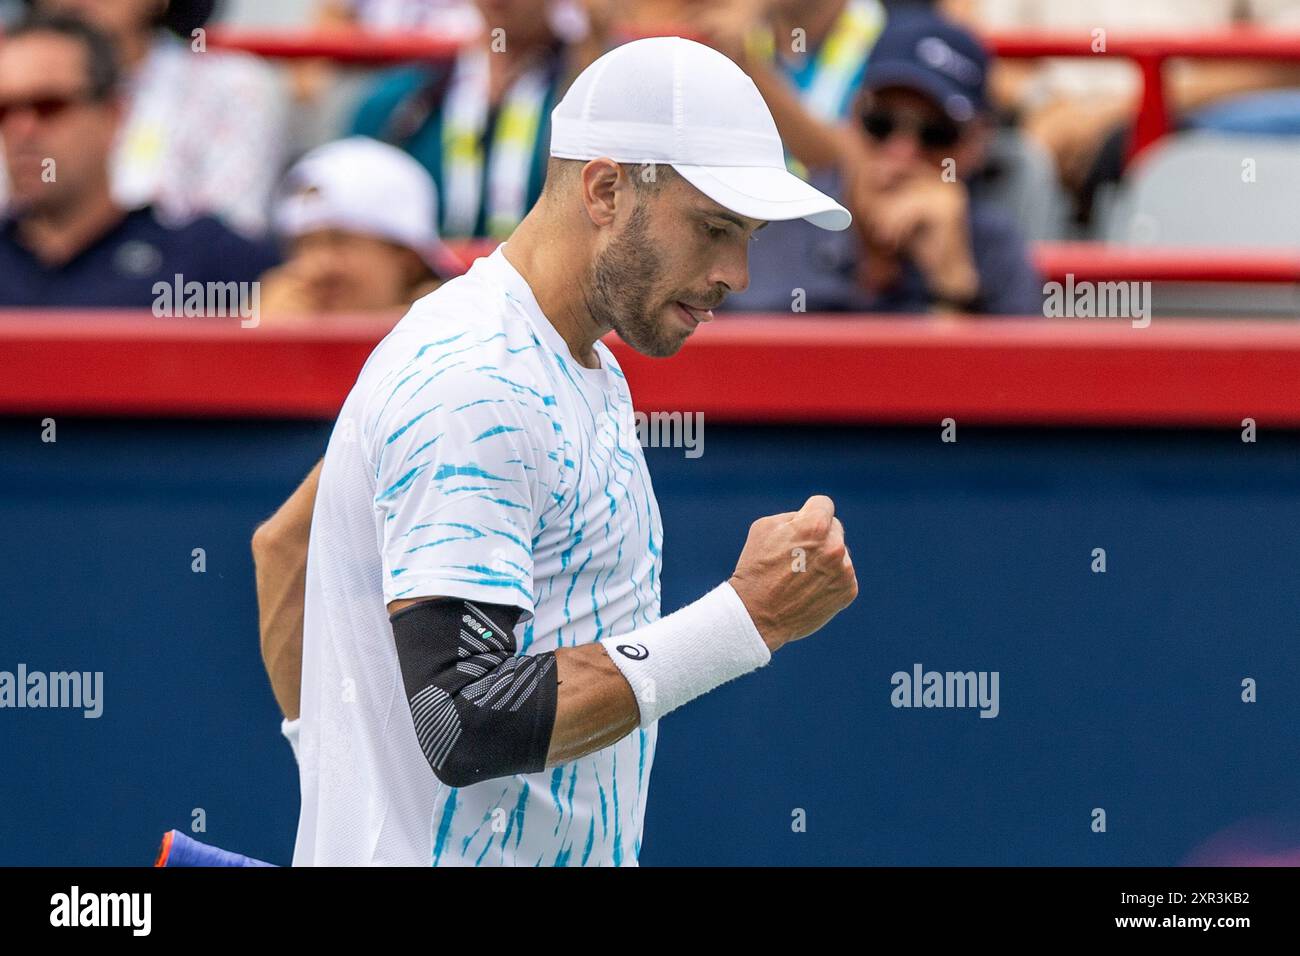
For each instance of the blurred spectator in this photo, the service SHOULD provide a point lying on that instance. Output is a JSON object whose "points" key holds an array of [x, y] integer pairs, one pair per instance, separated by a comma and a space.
{"points": [[806, 57], [358, 217], [67, 241], [1081, 110], [324, 95], [822, 47], [920, 241], [205, 130], [481, 125]]}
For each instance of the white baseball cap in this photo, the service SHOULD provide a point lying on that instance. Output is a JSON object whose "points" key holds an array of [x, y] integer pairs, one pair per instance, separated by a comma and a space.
{"points": [[361, 185], [672, 100]]}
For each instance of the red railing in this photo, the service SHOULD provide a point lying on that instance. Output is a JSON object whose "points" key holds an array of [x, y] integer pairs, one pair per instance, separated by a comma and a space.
{"points": [[745, 369], [1101, 262], [343, 46]]}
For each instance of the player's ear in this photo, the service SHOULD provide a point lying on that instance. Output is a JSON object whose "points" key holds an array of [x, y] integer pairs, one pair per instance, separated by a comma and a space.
{"points": [[603, 184]]}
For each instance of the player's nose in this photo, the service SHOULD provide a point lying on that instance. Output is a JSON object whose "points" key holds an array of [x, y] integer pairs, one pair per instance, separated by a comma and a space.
{"points": [[731, 272]]}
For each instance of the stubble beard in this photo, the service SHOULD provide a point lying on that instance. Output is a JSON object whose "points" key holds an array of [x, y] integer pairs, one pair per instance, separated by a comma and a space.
{"points": [[622, 287]]}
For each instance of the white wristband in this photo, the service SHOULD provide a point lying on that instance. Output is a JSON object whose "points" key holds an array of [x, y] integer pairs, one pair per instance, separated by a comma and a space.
{"points": [[290, 730], [689, 652]]}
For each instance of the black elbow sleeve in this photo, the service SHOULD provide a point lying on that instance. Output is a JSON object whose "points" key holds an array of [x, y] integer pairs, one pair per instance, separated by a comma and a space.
{"points": [[480, 710]]}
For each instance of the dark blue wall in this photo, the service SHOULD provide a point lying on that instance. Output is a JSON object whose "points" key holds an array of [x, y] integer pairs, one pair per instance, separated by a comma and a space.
{"points": [[1118, 690]]}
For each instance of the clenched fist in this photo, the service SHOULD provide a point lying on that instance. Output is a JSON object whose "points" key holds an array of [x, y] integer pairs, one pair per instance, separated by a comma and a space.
{"points": [[795, 573]]}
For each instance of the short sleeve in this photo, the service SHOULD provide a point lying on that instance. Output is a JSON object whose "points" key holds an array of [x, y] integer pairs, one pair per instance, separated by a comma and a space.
{"points": [[460, 485], [290, 730]]}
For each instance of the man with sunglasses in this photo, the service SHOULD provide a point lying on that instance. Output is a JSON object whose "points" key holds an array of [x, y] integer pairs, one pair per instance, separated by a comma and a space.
{"points": [[64, 240], [922, 240]]}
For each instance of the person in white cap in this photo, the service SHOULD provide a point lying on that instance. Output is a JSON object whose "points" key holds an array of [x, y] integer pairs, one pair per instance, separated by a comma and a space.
{"points": [[358, 219], [484, 664]]}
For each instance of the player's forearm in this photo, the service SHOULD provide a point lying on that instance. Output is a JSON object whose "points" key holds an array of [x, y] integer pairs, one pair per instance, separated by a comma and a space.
{"points": [[280, 621], [280, 565], [596, 706], [608, 689]]}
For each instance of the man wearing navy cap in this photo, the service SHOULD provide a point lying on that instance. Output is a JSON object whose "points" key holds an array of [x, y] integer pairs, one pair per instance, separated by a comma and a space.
{"points": [[922, 241]]}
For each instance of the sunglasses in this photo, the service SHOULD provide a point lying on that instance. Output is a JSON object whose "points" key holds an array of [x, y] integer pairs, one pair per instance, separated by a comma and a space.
{"points": [[45, 107], [932, 134]]}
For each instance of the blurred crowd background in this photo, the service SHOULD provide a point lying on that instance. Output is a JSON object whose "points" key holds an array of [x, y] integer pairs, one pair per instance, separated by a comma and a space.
{"points": [[142, 140]]}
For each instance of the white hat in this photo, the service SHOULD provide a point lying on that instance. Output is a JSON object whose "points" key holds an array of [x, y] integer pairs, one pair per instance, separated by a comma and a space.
{"points": [[671, 100], [362, 185]]}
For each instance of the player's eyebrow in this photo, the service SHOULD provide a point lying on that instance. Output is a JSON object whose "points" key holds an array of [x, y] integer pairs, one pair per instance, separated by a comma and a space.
{"points": [[731, 218]]}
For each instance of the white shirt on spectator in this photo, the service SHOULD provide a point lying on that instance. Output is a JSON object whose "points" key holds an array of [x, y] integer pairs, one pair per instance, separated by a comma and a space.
{"points": [[204, 133]]}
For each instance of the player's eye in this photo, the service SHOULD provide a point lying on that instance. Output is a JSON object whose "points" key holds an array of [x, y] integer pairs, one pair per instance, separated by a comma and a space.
{"points": [[714, 232]]}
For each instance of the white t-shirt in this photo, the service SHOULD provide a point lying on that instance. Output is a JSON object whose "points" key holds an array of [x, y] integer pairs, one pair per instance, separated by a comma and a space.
{"points": [[474, 458]]}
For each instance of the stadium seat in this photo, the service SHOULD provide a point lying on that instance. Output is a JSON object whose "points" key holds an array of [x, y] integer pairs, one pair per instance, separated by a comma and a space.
{"points": [[1193, 189], [1020, 176], [1196, 189]]}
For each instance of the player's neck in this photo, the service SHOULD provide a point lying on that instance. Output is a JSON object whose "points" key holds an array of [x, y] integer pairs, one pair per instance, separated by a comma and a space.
{"points": [[548, 267]]}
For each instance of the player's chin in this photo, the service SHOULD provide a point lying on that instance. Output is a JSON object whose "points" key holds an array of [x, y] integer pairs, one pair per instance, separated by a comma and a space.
{"points": [[663, 345], [677, 326], [663, 339], [673, 348]]}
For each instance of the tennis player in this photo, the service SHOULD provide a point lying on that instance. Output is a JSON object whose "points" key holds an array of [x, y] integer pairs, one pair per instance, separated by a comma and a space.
{"points": [[484, 663]]}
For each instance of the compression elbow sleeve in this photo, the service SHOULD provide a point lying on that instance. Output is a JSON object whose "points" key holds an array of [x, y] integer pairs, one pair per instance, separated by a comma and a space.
{"points": [[480, 710]]}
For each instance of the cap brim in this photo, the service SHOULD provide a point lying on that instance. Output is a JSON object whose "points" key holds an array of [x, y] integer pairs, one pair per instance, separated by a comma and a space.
{"points": [[768, 193]]}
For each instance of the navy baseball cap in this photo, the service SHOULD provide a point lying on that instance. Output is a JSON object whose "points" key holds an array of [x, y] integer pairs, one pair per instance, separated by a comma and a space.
{"points": [[922, 51]]}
